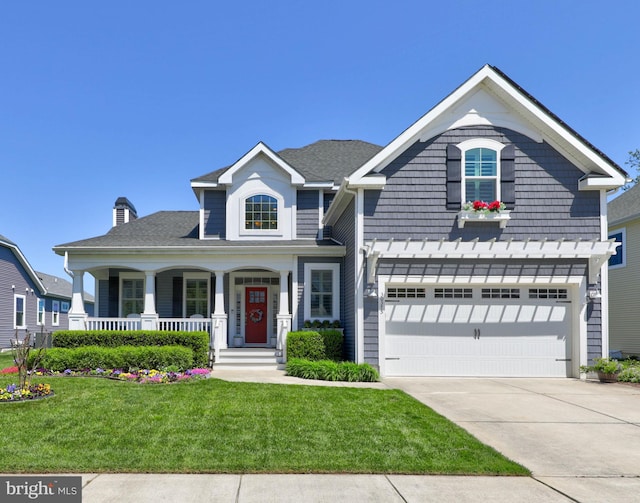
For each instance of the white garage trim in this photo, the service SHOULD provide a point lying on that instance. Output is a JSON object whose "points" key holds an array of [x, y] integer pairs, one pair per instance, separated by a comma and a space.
{"points": [[575, 284]]}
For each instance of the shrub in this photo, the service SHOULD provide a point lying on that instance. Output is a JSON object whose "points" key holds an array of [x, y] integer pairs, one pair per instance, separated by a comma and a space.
{"points": [[327, 370], [307, 345], [333, 341], [123, 357], [198, 342]]}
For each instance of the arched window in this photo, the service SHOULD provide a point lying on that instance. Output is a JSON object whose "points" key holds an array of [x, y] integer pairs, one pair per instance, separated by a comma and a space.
{"points": [[261, 213]]}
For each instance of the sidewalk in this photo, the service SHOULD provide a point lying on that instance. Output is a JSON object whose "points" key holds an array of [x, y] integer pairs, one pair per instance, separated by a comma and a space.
{"points": [[143, 488]]}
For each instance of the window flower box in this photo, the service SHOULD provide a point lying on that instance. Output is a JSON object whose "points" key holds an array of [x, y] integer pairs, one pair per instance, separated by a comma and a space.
{"points": [[480, 211]]}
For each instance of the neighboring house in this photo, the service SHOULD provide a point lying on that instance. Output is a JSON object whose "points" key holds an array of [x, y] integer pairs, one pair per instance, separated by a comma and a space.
{"points": [[30, 300], [624, 272], [378, 238]]}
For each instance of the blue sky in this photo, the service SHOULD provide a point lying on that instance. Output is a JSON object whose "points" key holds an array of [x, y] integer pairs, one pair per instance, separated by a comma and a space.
{"points": [[135, 98]]}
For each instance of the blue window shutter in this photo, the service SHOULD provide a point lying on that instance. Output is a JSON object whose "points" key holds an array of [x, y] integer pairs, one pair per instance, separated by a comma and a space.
{"points": [[176, 304], [508, 176], [454, 177]]}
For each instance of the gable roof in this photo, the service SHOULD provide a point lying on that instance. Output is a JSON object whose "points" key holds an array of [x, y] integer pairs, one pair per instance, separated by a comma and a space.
{"points": [[625, 207], [24, 262], [323, 161], [502, 103], [60, 287]]}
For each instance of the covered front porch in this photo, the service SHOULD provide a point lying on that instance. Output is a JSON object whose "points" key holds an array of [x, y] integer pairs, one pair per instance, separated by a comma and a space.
{"points": [[241, 308]]}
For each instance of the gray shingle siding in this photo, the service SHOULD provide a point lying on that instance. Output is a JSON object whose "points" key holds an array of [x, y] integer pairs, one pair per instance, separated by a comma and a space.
{"points": [[344, 232], [215, 213], [13, 273], [548, 203], [307, 217]]}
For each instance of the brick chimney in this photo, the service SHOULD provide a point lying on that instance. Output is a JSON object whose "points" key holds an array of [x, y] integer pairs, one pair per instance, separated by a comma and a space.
{"points": [[123, 211]]}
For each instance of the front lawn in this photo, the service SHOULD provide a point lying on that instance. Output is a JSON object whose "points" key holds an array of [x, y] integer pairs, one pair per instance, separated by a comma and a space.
{"points": [[213, 426]]}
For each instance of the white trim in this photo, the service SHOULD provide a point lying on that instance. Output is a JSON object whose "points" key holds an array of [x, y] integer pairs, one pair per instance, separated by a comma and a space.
{"points": [[227, 177], [491, 249], [201, 215], [55, 313], [485, 143], [17, 296], [487, 79], [41, 322], [195, 275], [260, 233], [129, 275], [360, 279], [335, 289], [623, 244]]}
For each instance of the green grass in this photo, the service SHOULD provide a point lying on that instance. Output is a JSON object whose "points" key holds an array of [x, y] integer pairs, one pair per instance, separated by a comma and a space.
{"points": [[6, 360], [213, 426]]}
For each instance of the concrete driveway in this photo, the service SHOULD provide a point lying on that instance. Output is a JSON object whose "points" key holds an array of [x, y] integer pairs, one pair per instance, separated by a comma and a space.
{"points": [[581, 438]]}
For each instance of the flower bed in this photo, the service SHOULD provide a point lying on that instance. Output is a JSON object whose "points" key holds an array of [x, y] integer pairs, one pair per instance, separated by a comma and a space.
{"points": [[152, 376], [13, 393]]}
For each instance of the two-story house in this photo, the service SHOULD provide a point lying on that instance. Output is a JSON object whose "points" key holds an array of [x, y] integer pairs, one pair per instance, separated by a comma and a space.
{"points": [[382, 240], [30, 300]]}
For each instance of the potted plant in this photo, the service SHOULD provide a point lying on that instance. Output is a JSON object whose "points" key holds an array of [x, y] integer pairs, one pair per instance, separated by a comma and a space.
{"points": [[606, 368]]}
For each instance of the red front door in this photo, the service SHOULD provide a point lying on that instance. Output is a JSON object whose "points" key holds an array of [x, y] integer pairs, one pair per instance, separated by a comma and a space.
{"points": [[255, 325]]}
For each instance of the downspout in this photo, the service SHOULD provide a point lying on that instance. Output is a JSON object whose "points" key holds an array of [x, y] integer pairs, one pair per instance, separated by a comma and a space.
{"points": [[359, 319], [66, 264]]}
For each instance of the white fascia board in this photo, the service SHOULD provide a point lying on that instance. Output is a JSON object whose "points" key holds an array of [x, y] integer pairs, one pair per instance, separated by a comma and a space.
{"points": [[204, 185], [558, 135], [318, 185], [227, 177], [372, 182], [598, 183], [27, 267], [339, 203]]}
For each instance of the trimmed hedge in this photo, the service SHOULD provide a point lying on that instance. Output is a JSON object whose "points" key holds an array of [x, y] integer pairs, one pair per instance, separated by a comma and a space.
{"points": [[198, 342], [333, 344], [123, 357], [305, 344], [327, 370], [315, 345]]}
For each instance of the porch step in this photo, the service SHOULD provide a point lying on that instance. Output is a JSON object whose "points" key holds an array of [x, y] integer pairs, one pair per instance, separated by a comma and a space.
{"points": [[247, 359]]}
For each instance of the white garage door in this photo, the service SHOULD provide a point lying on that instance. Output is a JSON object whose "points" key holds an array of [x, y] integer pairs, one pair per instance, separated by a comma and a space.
{"points": [[487, 331]]}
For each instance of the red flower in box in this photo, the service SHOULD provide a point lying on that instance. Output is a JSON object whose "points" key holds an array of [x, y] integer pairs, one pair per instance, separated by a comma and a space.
{"points": [[494, 206], [479, 205]]}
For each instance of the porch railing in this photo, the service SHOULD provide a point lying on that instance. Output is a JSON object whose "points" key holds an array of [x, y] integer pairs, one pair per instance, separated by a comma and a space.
{"points": [[113, 324], [167, 324], [185, 324]]}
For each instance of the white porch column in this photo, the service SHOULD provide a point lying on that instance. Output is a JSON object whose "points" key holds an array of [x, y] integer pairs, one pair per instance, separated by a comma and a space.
{"points": [[283, 317], [77, 315], [149, 317], [219, 318]]}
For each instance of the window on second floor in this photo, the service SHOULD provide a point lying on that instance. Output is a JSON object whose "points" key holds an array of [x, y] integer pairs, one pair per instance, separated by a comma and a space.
{"points": [[480, 175], [261, 213]]}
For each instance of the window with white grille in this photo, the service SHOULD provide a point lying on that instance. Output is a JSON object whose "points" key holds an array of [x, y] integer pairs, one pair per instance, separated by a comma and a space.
{"points": [[548, 293], [500, 293], [453, 293], [406, 293]]}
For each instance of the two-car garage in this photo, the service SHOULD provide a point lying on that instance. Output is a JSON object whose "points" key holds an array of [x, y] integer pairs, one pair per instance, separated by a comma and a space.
{"points": [[488, 330]]}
